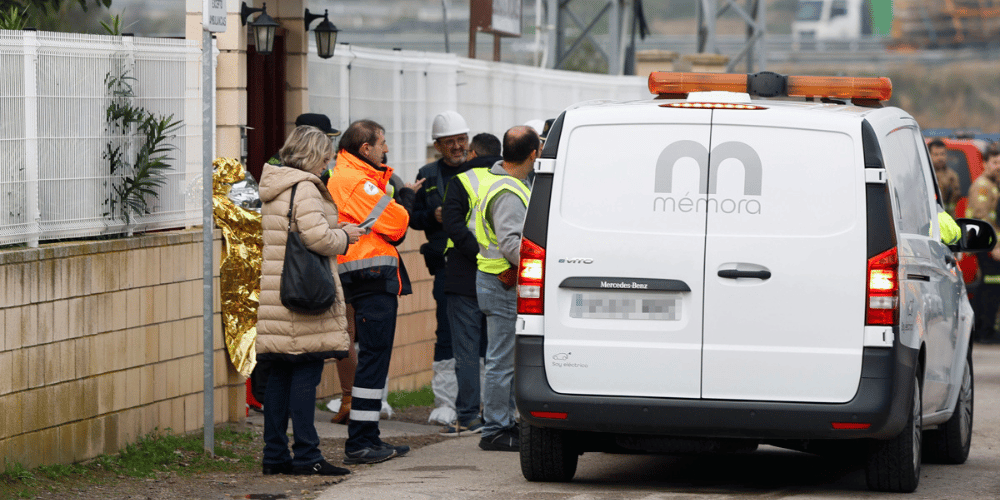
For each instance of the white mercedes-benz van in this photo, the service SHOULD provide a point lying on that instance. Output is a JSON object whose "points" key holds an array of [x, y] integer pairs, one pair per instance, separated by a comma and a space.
{"points": [[707, 271]]}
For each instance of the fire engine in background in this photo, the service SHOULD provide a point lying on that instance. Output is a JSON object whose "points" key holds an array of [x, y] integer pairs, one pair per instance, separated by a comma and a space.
{"points": [[965, 157], [916, 24]]}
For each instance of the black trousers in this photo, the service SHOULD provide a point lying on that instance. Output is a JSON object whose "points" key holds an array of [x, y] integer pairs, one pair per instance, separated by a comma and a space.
{"points": [[375, 327]]}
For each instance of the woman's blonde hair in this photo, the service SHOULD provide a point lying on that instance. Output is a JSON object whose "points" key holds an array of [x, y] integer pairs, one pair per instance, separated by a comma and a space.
{"points": [[305, 146]]}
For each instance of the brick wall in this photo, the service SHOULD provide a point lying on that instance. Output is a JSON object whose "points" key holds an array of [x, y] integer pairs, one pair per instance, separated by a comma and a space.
{"points": [[101, 343]]}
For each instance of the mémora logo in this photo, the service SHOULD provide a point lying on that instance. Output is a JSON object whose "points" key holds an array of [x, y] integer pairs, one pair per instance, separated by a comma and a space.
{"points": [[708, 179]]}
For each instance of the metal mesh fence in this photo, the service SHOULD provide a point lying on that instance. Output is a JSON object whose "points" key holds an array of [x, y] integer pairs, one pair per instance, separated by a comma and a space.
{"points": [[403, 90], [56, 179]]}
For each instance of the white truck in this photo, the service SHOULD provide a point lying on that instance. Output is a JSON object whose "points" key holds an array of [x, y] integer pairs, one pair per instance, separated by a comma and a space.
{"points": [[821, 20]]}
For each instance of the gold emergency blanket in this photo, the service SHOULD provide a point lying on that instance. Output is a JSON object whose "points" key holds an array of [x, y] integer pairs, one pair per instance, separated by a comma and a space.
{"points": [[240, 266]]}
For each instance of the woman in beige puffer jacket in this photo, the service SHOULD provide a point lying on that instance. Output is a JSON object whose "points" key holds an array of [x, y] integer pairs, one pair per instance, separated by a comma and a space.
{"points": [[293, 346]]}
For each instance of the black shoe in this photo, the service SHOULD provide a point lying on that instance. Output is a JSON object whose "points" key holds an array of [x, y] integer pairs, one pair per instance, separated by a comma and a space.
{"points": [[505, 440], [321, 468], [369, 455], [271, 470], [400, 450]]}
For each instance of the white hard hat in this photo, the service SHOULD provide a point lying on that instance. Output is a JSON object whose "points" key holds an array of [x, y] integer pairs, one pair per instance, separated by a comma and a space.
{"points": [[448, 123], [536, 124]]}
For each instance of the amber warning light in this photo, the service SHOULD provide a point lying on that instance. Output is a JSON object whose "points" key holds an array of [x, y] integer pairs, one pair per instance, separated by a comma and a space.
{"points": [[768, 84]]}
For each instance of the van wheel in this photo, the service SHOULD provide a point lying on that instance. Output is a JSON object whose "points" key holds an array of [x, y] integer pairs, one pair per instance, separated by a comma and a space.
{"points": [[950, 443], [894, 464], [546, 454]]}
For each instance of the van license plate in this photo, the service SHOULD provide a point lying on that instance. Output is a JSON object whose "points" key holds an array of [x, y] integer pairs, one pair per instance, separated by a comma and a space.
{"points": [[599, 305]]}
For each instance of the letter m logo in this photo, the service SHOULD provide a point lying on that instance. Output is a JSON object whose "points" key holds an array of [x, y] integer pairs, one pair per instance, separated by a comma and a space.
{"points": [[708, 166]]}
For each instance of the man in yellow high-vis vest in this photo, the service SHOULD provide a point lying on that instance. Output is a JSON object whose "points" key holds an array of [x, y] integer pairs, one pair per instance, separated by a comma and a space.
{"points": [[499, 220], [466, 320]]}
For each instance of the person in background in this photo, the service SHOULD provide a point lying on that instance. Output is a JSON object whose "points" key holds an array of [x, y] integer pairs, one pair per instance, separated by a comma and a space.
{"points": [[293, 345], [951, 188], [317, 120], [984, 194], [468, 325], [499, 220], [373, 277], [347, 366], [451, 139]]}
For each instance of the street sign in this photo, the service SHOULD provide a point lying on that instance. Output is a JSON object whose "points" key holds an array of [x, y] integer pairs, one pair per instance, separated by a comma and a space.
{"points": [[214, 16], [498, 17]]}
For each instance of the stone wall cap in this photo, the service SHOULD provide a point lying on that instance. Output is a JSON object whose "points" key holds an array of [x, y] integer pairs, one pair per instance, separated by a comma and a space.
{"points": [[656, 55], [64, 249], [706, 58]]}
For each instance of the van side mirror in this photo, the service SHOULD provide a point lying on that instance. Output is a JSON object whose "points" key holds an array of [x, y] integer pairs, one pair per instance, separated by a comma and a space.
{"points": [[977, 236]]}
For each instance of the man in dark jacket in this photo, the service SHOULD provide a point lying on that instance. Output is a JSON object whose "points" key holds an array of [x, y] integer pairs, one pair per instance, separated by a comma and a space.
{"points": [[467, 322], [451, 139]]}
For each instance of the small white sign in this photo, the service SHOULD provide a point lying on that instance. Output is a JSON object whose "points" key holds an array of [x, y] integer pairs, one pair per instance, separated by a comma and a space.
{"points": [[214, 16], [506, 17]]}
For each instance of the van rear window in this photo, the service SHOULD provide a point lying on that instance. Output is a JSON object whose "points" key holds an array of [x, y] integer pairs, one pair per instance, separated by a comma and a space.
{"points": [[670, 178]]}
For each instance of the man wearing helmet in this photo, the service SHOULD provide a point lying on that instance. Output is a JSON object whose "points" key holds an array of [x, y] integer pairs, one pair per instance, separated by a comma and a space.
{"points": [[451, 139]]}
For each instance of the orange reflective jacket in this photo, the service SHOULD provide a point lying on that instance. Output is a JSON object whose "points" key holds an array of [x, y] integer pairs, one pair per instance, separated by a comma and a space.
{"points": [[372, 263]]}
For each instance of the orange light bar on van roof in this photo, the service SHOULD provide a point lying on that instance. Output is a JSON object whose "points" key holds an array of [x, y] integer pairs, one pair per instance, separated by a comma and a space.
{"points": [[769, 84], [845, 87], [685, 83]]}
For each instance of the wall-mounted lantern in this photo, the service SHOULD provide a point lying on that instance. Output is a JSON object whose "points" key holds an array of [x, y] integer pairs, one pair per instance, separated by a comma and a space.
{"points": [[264, 28], [326, 34]]}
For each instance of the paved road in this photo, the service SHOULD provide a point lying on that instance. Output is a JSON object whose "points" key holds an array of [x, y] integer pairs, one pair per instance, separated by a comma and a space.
{"points": [[458, 470]]}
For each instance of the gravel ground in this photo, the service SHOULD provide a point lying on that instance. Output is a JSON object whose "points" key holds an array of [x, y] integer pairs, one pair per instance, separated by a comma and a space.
{"points": [[237, 483]]}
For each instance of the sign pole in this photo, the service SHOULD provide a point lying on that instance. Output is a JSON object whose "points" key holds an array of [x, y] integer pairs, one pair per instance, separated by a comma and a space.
{"points": [[207, 135], [213, 20]]}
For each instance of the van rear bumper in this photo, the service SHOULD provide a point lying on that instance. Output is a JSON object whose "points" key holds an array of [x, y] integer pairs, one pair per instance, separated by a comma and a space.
{"points": [[883, 400]]}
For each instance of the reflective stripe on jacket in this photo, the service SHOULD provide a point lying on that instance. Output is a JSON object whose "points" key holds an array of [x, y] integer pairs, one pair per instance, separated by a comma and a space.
{"points": [[475, 189], [359, 189], [491, 259]]}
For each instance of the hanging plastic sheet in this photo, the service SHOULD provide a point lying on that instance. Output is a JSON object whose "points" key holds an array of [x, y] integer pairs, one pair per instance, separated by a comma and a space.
{"points": [[241, 259]]}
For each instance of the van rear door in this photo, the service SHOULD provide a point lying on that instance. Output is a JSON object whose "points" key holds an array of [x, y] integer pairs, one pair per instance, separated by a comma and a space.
{"points": [[625, 253], [785, 257]]}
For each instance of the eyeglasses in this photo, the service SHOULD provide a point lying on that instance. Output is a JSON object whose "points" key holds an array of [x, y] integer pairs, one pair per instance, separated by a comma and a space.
{"points": [[454, 141]]}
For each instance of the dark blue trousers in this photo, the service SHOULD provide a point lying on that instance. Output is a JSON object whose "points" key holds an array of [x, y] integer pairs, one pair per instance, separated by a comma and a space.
{"points": [[442, 342], [468, 334], [375, 327], [291, 392]]}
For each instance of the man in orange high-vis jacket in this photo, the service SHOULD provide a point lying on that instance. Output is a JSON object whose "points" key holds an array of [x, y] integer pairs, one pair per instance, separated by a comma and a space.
{"points": [[373, 278]]}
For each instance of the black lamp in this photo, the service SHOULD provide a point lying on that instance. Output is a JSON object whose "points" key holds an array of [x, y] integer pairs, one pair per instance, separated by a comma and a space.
{"points": [[263, 28], [326, 34]]}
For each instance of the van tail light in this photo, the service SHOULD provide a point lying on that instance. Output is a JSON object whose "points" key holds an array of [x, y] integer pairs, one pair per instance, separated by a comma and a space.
{"points": [[530, 278], [883, 289]]}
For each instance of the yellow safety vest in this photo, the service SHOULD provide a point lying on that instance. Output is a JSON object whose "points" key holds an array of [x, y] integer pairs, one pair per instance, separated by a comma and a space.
{"points": [[490, 259], [475, 189]]}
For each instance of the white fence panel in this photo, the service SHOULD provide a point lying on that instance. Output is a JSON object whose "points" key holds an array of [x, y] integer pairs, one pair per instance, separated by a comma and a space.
{"points": [[403, 90], [54, 138], [17, 214]]}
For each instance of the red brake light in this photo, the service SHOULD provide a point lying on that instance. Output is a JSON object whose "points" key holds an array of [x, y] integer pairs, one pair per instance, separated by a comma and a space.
{"points": [[882, 306], [530, 277], [850, 426], [557, 415]]}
